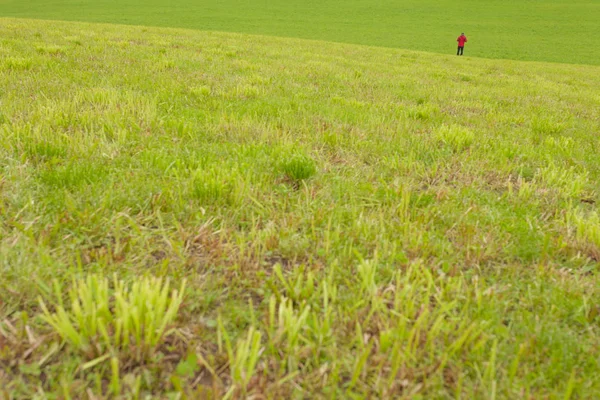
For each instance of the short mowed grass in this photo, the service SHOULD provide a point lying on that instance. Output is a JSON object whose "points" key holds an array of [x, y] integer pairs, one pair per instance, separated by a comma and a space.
{"points": [[210, 214], [536, 30]]}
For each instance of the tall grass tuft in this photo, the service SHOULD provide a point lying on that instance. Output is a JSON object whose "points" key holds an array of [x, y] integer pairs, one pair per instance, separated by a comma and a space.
{"points": [[585, 229], [243, 359], [15, 64], [298, 167], [100, 319], [456, 137]]}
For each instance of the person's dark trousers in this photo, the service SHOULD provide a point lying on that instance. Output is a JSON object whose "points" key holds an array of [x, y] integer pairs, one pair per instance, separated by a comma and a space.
{"points": [[460, 50]]}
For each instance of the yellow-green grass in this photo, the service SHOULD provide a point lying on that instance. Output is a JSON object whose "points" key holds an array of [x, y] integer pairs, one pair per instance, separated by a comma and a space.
{"points": [[536, 30], [351, 222]]}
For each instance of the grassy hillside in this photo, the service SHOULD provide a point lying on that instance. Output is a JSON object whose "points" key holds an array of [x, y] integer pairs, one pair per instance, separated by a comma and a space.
{"points": [[350, 222], [547, 30]]}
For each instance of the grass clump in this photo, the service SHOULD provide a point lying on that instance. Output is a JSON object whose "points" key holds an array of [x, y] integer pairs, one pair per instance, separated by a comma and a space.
{"points": [[50, 50], [545, 126], [100, 319], [298, 167], [215, 187], [243, 360], [585, 230], [71, 175], [456, 137], [16, 64]]}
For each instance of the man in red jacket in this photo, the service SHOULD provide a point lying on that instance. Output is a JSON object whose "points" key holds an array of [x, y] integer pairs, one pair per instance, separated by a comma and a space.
{"points": [[462, 39]]}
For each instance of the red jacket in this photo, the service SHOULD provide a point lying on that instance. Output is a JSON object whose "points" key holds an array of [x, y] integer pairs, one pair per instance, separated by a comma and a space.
{"points": [[462, 39]]}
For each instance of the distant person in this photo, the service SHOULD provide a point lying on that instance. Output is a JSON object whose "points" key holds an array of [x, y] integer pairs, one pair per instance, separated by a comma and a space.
{"points": [[462, 39]]}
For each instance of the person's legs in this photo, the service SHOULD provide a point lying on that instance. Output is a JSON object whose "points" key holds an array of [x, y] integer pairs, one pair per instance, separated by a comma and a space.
{"points": [[462, 49], [458, 51]]}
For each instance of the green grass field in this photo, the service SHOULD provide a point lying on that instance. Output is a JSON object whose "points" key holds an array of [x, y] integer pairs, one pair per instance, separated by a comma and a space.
{"points": [[541, 30], [349, 222]]}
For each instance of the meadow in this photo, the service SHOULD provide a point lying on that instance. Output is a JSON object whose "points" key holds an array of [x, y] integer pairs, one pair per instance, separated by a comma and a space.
{"points": [[332, 220], [547, 30]]}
